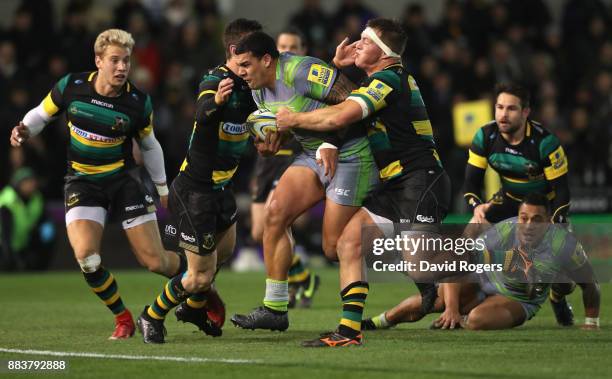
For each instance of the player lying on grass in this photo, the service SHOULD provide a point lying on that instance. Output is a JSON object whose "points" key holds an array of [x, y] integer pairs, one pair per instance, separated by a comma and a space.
{"points": [[104, 112], [414, 187], [533, 251]]}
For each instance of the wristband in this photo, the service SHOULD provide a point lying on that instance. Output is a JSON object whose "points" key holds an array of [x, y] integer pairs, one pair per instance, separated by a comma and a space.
{"points": [[162, 189], [324, 145], [592, 321]]}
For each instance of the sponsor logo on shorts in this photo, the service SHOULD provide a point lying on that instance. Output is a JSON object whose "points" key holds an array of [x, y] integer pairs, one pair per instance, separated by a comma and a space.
{"points": [[233, 216], [149, 198], [170, 230], [188, 238], [427, 219], [404, 221], [342, 191], [73, 198], [208, 241], [134, 207], [130, 220]]}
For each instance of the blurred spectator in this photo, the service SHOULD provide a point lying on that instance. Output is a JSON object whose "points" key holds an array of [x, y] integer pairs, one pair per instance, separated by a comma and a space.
{"points": [[419, 41], [74, 39], [353, 8], [26, 236], [146, 50], [314, 23]]}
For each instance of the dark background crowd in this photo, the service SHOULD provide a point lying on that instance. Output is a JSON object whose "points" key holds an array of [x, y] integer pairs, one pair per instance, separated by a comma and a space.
{"points": [[567, 65]]}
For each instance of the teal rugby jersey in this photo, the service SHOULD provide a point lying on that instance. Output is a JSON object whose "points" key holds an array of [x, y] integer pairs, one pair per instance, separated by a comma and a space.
{"points": [[101, 128], [219, 136], [399, 130]]}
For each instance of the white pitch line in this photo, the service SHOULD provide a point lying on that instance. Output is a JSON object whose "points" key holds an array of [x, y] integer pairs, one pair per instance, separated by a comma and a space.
{"points": [[128, 357]]}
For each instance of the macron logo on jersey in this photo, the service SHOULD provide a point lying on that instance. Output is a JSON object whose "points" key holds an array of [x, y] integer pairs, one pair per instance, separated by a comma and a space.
{"points": [[102, 103]]}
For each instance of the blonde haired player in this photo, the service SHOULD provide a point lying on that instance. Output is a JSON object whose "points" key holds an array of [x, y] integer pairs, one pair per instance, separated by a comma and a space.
{"points": [[104, 111]]}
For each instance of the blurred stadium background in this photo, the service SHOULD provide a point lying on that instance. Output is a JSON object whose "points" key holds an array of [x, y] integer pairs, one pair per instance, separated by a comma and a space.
{"points": [[458, 50]]}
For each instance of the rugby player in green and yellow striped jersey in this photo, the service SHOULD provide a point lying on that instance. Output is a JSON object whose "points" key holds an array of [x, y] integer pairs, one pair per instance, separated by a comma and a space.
{"points": [[414, 187], [104, 112]]}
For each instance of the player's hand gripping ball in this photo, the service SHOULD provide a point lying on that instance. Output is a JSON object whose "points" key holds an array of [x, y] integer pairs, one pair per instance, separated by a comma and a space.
{"points": [[260, 123]]}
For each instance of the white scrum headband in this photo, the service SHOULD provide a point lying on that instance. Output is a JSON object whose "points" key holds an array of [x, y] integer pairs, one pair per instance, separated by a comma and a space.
{"points": [[371, 34]]}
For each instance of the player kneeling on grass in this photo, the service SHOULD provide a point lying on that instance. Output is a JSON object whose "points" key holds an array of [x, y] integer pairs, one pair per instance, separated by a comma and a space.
{"points": [[104, 113], [533, 252]]}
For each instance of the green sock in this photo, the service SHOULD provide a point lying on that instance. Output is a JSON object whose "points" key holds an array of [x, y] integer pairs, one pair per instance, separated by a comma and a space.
{"points": [[172, 295], [277, 295], [105, 286]]}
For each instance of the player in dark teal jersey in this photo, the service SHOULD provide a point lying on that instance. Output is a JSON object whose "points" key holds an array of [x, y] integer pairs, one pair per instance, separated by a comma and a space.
{"points": [[303, 83], [104, 113], [530, 252], [528, 158], [414, 187], [201, 201]]}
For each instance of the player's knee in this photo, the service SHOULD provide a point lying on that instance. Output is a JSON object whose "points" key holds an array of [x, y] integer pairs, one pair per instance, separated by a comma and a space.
{"points": [[476, 320], [90, 263], [330, 249], [152, 261], [276, 218]]}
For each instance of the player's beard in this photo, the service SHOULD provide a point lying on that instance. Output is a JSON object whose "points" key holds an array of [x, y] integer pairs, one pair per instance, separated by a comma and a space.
{"points": [[511, 128]]}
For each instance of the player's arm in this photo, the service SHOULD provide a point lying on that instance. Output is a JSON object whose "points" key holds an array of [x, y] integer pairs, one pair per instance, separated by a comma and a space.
{"points": [[591, 295], [37, 118], [152, 154], [372, 97], [340, 90], [451, 317], [212, 94], [555, 171], [579, 269], [474, 176]]}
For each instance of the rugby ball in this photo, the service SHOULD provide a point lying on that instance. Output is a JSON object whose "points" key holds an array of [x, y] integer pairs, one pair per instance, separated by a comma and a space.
{"points": [[260, 123]]}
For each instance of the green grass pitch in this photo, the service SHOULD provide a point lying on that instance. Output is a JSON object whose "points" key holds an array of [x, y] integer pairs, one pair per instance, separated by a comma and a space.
{"points": [[58, 312]]}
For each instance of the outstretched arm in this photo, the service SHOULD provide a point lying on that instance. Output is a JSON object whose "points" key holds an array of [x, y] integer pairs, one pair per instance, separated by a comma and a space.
{"points": [[324, 119]]}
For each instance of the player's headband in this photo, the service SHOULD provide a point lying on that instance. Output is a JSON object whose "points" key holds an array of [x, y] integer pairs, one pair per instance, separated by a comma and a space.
{"points": [[371, 34]]}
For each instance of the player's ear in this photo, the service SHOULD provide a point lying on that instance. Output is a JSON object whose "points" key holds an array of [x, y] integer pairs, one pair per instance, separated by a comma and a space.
{"points": [[526, 112], [98, 60], [232, 49], [267, 60]]}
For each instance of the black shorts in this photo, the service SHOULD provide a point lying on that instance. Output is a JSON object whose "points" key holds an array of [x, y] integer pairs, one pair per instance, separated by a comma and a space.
{"points": [[124, 197], [197, 216], [502, 208], [268, 171], [419, 197]]}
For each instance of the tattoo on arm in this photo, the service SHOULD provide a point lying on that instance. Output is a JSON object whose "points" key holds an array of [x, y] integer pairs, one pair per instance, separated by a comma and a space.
{"points": [[340, 90]]}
